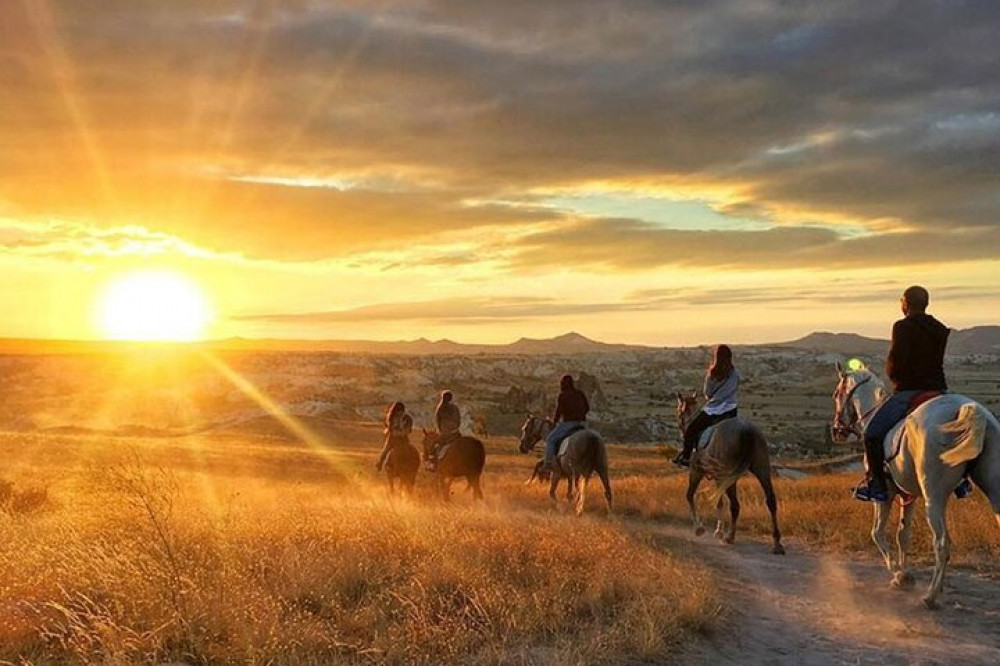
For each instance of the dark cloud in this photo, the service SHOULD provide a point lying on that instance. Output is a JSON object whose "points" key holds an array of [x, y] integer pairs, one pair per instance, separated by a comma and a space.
{"points": [[879, 112]]}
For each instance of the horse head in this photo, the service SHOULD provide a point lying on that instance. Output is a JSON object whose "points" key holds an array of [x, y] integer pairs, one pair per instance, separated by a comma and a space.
{"points": [[531, 432], [857, 395], [430, 443], [685, 408]]}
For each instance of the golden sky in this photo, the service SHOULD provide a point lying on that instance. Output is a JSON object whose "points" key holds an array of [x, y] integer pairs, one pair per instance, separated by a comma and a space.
{"points": [[655, 172]]}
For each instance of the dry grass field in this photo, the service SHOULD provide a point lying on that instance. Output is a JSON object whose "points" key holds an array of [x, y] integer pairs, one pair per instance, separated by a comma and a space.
{"points": [[255, 548]]}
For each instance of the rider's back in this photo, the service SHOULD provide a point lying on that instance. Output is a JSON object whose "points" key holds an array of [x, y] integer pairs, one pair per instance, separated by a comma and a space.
{"points": [[916, 358]]}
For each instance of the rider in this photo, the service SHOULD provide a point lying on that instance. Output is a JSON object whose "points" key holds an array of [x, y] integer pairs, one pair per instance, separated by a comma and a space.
{"points": [[398, 426], [915, 365], [571, 407], [448, 418], [722, 383]]}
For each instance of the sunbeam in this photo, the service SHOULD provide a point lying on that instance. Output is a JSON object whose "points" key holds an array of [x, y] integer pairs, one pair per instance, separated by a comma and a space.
{"points": [[287, 421], [43, 21]]}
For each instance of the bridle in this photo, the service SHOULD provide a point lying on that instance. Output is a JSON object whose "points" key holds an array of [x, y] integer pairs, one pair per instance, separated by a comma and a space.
{"points": [[685, 407], [531, 433], [842, 429]]}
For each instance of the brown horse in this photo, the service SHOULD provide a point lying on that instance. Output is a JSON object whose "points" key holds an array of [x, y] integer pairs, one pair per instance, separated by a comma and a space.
{"points": [[736, 446], [464, 457], [401, 465], [585, 454]]}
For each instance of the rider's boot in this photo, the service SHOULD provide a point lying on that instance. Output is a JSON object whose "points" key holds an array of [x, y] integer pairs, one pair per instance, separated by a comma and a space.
{"points": [[683, 458], [875, 490]]}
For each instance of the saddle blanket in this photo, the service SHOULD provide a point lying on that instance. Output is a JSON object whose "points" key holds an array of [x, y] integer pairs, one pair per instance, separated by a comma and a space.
{"points": [[564, 443], [706, 436], [893, 442]]}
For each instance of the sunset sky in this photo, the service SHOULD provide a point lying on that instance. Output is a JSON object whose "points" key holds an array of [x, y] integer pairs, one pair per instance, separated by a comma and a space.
{"points": [[678, 172]]}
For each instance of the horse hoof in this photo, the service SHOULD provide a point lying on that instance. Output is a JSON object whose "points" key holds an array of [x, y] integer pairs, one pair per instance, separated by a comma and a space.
{"points": [[778, 549], [902, 581], [930, 604], [698, 531], [729, 540]]}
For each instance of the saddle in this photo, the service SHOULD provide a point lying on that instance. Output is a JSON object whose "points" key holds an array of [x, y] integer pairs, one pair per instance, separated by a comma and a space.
{"points": [[893, 441], [447, 439], [706, 435], [565, 440]]}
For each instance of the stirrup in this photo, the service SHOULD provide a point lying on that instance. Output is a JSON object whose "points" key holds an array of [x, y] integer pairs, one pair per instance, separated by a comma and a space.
{"points": [[864, 492]]}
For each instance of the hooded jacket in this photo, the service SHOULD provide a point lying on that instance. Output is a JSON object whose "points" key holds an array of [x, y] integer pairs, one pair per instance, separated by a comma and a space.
{"points": [[916, 357]]}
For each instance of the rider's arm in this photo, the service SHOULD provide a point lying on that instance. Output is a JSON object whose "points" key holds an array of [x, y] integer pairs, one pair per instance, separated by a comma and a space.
{"points": [[559, 408], [586, 403], [898, 352]]}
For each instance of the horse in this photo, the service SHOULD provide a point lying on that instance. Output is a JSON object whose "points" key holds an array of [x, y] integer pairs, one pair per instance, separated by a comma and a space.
{"points": [[401, 465], [465, 457], [943, 439], [685, 411], [585, 454], [735, 447]]}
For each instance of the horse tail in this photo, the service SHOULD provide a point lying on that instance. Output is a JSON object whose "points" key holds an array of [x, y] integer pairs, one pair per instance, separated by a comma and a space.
{"points": [[748, 438], [969, 429]]}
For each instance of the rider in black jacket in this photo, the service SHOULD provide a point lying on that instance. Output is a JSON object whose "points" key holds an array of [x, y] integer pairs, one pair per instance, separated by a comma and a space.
{"points": [[915, 364]]}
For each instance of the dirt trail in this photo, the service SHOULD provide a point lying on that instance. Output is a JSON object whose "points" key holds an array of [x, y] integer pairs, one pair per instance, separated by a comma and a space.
{"points": [[812, 608]]}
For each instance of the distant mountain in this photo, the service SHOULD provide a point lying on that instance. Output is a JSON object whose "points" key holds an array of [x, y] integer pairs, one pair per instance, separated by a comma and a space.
{"points": [[976, 340], [848, 344], [570, 343]]}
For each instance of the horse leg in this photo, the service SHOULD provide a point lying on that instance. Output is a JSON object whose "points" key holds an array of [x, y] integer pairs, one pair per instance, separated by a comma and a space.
{"points": [[720, 522], [392, 484], [602, 473], [903, 578], [881, 518], [764, 477], [581, 493], [473, 484], [939, 528], [553, 487], [734, 512], [694, 480]]}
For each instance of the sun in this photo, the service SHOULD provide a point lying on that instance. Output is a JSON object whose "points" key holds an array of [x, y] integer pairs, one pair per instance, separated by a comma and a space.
{"points": [[154, 306]]}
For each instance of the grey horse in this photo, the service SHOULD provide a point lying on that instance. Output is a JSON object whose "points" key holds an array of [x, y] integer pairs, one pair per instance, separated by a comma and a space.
{"points": [[585, 454], [941, 440], [736, 446]]}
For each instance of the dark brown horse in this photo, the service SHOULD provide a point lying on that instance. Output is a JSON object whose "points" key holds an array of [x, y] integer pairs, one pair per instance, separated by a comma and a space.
{"points": [[736, 446], [401, 465], [463, 457]]}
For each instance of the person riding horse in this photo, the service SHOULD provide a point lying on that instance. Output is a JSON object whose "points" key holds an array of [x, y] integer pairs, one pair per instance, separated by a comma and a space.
{"points": [[722, 383], [571, 415], [915, 365], [398, 426], [448, 419]]}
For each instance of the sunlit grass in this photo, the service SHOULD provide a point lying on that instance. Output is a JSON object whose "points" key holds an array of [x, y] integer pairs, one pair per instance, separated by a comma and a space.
{"points": [[124, 562]]}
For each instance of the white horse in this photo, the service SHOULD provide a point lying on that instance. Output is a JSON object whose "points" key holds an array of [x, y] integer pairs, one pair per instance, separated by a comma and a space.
{"points": [[942, 440]]}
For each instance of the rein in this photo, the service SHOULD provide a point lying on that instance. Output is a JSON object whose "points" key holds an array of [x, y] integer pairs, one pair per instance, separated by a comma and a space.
{"points": [[854, 427]]}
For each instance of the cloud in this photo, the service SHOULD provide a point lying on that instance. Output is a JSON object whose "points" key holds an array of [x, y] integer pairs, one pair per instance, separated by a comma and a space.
{"points": [[449, 310], [876, 114], [621, 244]]}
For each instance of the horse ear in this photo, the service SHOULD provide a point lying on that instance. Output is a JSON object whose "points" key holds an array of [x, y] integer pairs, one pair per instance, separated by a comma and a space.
{"points": [[694, 394], [424, 429], [679, 396], [840, 369]]}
